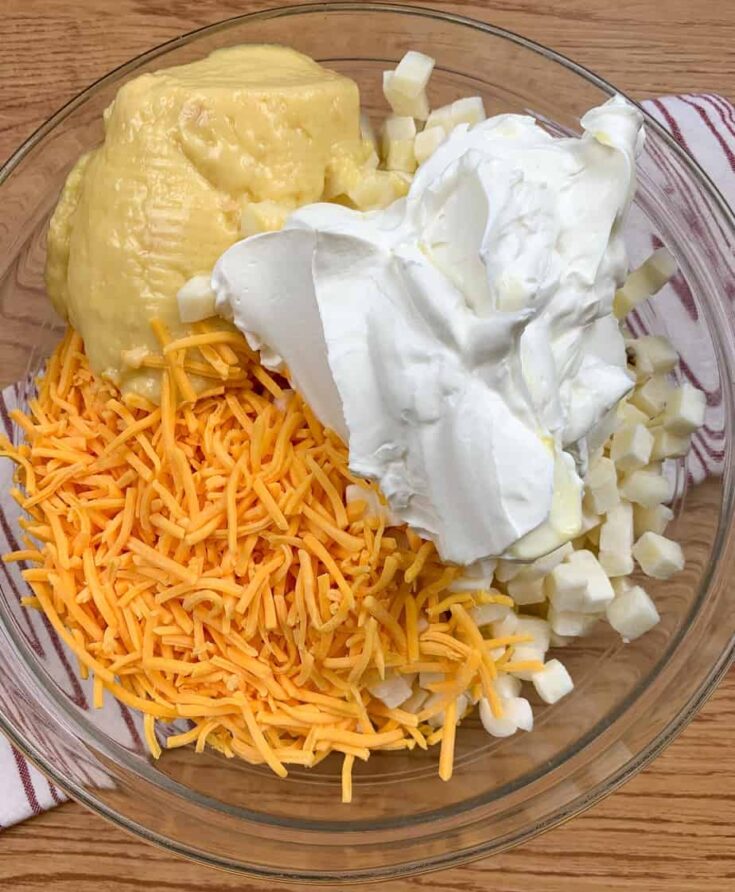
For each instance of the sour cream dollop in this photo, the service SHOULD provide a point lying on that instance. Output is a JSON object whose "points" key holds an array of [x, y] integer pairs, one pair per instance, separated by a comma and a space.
{"points": [[461, 341]]}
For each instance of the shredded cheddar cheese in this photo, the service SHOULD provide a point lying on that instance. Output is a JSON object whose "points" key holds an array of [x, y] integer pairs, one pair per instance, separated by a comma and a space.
{"points": [[201, 561]]}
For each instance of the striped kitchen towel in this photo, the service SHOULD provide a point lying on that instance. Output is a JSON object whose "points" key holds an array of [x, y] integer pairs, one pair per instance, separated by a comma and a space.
{"points": [[704, 124]]}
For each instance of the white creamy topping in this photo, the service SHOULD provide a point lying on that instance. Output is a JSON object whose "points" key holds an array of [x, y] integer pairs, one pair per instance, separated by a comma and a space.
{"points": [[462, 340]]}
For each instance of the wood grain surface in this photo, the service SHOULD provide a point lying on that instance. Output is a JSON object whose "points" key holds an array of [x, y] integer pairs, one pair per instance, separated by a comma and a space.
{"points": [[671, 828]]}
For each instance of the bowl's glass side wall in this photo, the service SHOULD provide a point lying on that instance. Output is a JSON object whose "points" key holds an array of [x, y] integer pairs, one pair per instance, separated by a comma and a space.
{"points": [[404, 816]]}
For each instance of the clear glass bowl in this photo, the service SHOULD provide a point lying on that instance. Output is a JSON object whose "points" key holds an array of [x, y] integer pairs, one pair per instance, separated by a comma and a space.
{"points": [[629, 701]]}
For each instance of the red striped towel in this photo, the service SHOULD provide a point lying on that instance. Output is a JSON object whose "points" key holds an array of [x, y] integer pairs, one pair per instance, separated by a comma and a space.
{"points": [[704, 124]]}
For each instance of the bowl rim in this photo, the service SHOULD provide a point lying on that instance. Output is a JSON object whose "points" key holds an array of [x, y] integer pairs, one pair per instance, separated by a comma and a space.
{"points": [[600, 789]]}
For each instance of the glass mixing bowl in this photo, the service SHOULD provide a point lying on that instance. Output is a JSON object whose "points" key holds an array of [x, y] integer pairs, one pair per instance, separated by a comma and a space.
{"points": [[629, 701]]}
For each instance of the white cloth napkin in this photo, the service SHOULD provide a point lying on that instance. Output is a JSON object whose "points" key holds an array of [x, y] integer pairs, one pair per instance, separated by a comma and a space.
{"points": [[704, 124]]}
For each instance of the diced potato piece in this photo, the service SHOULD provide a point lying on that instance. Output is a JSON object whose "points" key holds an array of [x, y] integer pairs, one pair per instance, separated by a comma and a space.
{"points": [[507, 686], [644, 282], [655, 519], [426, 143], [658, 556], [505, 626], [654, 355], [651, 397], [517, 714], [518, 710], [630, 414], [394, 690], [580, 584], [377, 189], [537, 627], [526, 591], [524, 653], [485, 614], [616, 541], [632, 613], [437, 720], [468, 110], [411, 75], [631, 447], [571, 624], [669, 445], [440, 117], [398, 137], [195, 299], [553, 682], [601, 485], [646, 488], [685, 409], [408, 106], [416, 701]]}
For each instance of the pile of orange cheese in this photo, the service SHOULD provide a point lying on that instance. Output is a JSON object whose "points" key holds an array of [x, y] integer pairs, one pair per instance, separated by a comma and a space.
{"points": [[201, 560]]}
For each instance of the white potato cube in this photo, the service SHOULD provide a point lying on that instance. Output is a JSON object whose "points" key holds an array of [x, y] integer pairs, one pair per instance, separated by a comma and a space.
{"points": [[400, 156], [553, 682], [646, 488], [518, 710], [616, 563], [536, 627], [477, 576], [397, 143], [652, 396], [507, 570], [440, 117], [496, 727], [377, 189], [485, 614], [408, 106], [667, 444], [436, 721], [427, 678], [616, 541], [632, 613], [416, 701], [601, 486], [621, 584], [393, 690], [571, 624], [542, 566], [630, 414], [567, 587], [524, 653], [655, 519], [526, 591], [658, 556], [654, 355], [644, 281], [507, 686], [397, 128], [427, 142], [580, 584], [469, 110], [685, 409], [195, 299], [631, 447], [411, 75], [505, 626]]}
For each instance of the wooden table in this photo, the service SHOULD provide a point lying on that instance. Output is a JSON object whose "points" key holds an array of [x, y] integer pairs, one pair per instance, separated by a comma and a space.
{"points": [[673, 827]]}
